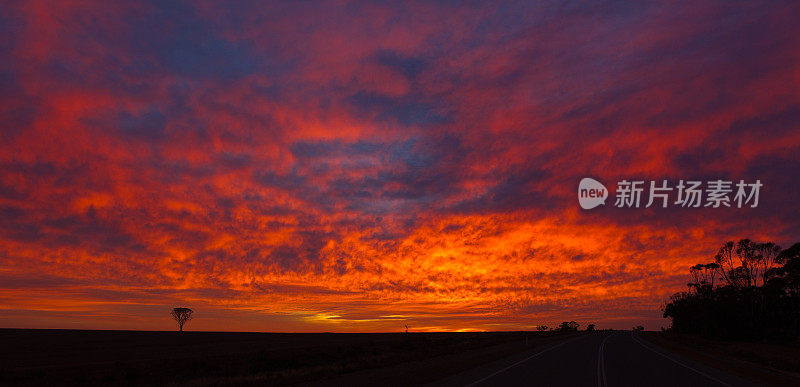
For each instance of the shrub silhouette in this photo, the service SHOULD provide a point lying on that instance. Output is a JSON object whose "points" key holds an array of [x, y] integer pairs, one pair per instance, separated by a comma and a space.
{"points": [[568, 326]]}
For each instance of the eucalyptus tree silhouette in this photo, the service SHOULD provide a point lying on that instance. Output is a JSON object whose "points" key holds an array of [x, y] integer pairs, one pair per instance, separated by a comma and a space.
{"points": [[744, 263], [757, 295], [181, 315]]}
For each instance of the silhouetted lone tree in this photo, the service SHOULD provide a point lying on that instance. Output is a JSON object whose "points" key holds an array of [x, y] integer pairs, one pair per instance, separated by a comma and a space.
{"points": [[590, 328], [181, 315]]}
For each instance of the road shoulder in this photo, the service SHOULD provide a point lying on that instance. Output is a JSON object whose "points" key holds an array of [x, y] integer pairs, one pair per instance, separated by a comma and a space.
{"points": [[749, 371]]}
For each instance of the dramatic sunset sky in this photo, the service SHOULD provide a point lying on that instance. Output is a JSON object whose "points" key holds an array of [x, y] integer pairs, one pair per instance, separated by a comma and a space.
{"points": [[355, 166]]}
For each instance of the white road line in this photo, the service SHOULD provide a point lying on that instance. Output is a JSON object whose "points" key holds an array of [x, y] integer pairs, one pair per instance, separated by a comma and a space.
{"points": [[524, 360], [636, 339], [601, 364]]}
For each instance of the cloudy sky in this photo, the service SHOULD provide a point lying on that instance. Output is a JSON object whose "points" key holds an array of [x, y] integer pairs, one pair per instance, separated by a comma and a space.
{"points": [[357, 166]]}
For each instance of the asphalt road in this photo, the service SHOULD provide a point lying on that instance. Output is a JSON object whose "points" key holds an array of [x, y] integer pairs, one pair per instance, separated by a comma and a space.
{"points": [[618, 358]]}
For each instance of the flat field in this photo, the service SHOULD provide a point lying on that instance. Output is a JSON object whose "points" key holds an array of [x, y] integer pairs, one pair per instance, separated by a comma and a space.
{"points": [[80, 357]]}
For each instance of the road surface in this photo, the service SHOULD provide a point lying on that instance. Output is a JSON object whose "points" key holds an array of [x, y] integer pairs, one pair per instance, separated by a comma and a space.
{"points": [[616, 358]]}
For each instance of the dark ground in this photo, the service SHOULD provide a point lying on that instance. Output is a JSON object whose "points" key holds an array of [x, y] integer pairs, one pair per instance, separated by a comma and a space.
{"points": [[77, 357], [605, 358], [608, 358], [770, 362]]}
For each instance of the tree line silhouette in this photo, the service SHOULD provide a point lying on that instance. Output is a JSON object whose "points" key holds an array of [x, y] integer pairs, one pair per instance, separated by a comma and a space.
{"points": [[751, 290], [565, 326]]}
